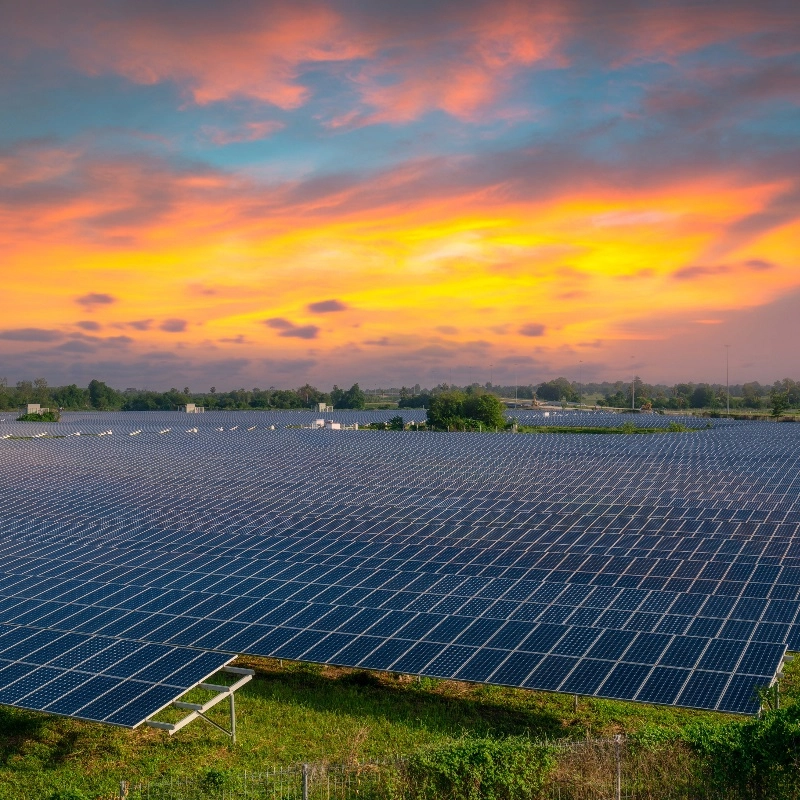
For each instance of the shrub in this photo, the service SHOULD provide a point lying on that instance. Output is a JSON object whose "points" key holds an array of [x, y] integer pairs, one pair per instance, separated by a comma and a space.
{"points": [[677, 427], [756, 758], [478, 769], [46, 416]]}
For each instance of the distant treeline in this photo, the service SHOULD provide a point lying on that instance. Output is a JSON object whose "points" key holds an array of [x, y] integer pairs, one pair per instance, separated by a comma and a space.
{"points": [[99, 396], [620, 394]]}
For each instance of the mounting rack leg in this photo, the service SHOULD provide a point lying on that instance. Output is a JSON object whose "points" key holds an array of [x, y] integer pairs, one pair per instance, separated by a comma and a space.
{"points": [[199, 711]]}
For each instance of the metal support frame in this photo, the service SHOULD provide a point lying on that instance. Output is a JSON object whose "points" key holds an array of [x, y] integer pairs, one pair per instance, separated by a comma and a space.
{"points": [[776, 683], [199, 711], [772, 695]]}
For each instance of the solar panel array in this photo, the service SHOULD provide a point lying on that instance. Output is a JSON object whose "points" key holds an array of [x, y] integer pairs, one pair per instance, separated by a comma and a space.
{"points": [[659, 568], [96, 422]]}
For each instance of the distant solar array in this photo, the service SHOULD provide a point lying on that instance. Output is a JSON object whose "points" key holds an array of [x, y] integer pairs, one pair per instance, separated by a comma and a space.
{"points": [[663, 568], [605, 419], [156, 421]]}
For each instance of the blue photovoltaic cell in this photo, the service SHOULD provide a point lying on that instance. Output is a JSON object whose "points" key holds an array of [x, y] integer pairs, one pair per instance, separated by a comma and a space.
{"points": [[587, 676], [663, 685], [550, 672], [663, 568], [514, 670]]}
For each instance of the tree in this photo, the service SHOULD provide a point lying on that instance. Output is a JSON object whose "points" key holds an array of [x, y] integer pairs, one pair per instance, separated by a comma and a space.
{"points": [[40, 393], [311, 395], [70, 396], [752, 393], [780, 402], [558, 389], [486, 409], [286, 398], [396, 424], [446, 409], [415, 400], [791, 389], [354, 397], [103, 397], [702, 396], [24, 392]]}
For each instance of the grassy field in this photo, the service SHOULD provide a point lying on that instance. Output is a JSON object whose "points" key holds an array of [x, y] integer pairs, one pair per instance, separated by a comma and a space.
{"points": [[296, 712]]}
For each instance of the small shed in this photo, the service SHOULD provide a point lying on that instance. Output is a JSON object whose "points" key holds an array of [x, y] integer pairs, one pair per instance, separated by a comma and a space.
{"points": [[33, 408]]}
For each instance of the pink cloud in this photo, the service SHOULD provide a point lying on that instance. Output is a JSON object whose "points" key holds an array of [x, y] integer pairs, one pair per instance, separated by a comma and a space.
{"points": [[212, 52], [457, 57]]}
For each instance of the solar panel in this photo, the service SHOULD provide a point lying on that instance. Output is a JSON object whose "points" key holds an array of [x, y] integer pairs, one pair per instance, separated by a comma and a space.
{"points": [[661, 568], [120, 682]]}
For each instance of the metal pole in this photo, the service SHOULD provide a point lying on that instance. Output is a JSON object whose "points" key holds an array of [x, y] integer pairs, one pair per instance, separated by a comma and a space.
{"points": [[727, 380], [618, 787], [123, 789], [305, 781], [233, 720]]}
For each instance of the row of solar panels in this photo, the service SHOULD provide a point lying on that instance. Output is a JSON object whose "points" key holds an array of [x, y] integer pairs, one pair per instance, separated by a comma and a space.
{"points": [[242, 420], [652, 667]]}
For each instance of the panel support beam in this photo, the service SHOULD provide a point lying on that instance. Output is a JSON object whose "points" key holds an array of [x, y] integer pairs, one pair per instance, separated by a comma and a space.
{"points": [[198, 711]]}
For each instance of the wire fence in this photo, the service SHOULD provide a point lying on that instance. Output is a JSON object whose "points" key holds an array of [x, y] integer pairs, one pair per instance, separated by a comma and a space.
{"points": [[318, 781], [592, 769]]}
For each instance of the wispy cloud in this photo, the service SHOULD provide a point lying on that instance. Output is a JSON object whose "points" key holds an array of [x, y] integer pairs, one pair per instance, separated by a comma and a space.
{"points": [[327, 306], [290, 330]]}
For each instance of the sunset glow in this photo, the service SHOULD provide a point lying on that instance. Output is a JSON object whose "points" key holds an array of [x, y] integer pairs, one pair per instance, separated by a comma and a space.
{"points": [[256, 194]]}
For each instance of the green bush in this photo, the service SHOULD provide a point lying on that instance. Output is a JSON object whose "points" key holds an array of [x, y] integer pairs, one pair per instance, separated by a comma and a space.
{"points": [[471, 768], [46, 416], [759, 758], [677, 427]]}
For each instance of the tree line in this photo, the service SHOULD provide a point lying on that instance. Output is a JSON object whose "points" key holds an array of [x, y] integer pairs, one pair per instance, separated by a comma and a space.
{"points": [[781, 395], [99, 396], [620, 394]]}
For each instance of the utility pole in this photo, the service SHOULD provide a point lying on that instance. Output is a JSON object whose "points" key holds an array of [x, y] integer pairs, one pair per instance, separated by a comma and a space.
{"points": [[515, 385], [727, 381], [580, 384], [633, 387]]}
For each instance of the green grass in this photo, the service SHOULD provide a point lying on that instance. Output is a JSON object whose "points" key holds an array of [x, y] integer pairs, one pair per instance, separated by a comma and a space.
{"points": [[306, 713]]}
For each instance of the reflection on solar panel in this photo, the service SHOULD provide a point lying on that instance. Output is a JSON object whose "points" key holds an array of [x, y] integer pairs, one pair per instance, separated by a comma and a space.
{"points": [[664, 569]]}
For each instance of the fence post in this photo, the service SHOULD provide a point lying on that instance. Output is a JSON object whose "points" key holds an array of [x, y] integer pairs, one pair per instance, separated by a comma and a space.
{"points": [[618, 757], [305, 781], [123, 789]]}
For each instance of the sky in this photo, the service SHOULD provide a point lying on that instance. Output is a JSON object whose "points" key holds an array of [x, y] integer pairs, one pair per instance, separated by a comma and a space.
{"points": [[243, 194]]}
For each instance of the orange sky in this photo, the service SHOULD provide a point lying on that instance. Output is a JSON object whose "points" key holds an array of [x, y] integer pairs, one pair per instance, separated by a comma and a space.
{"points": [[337, 193]]}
